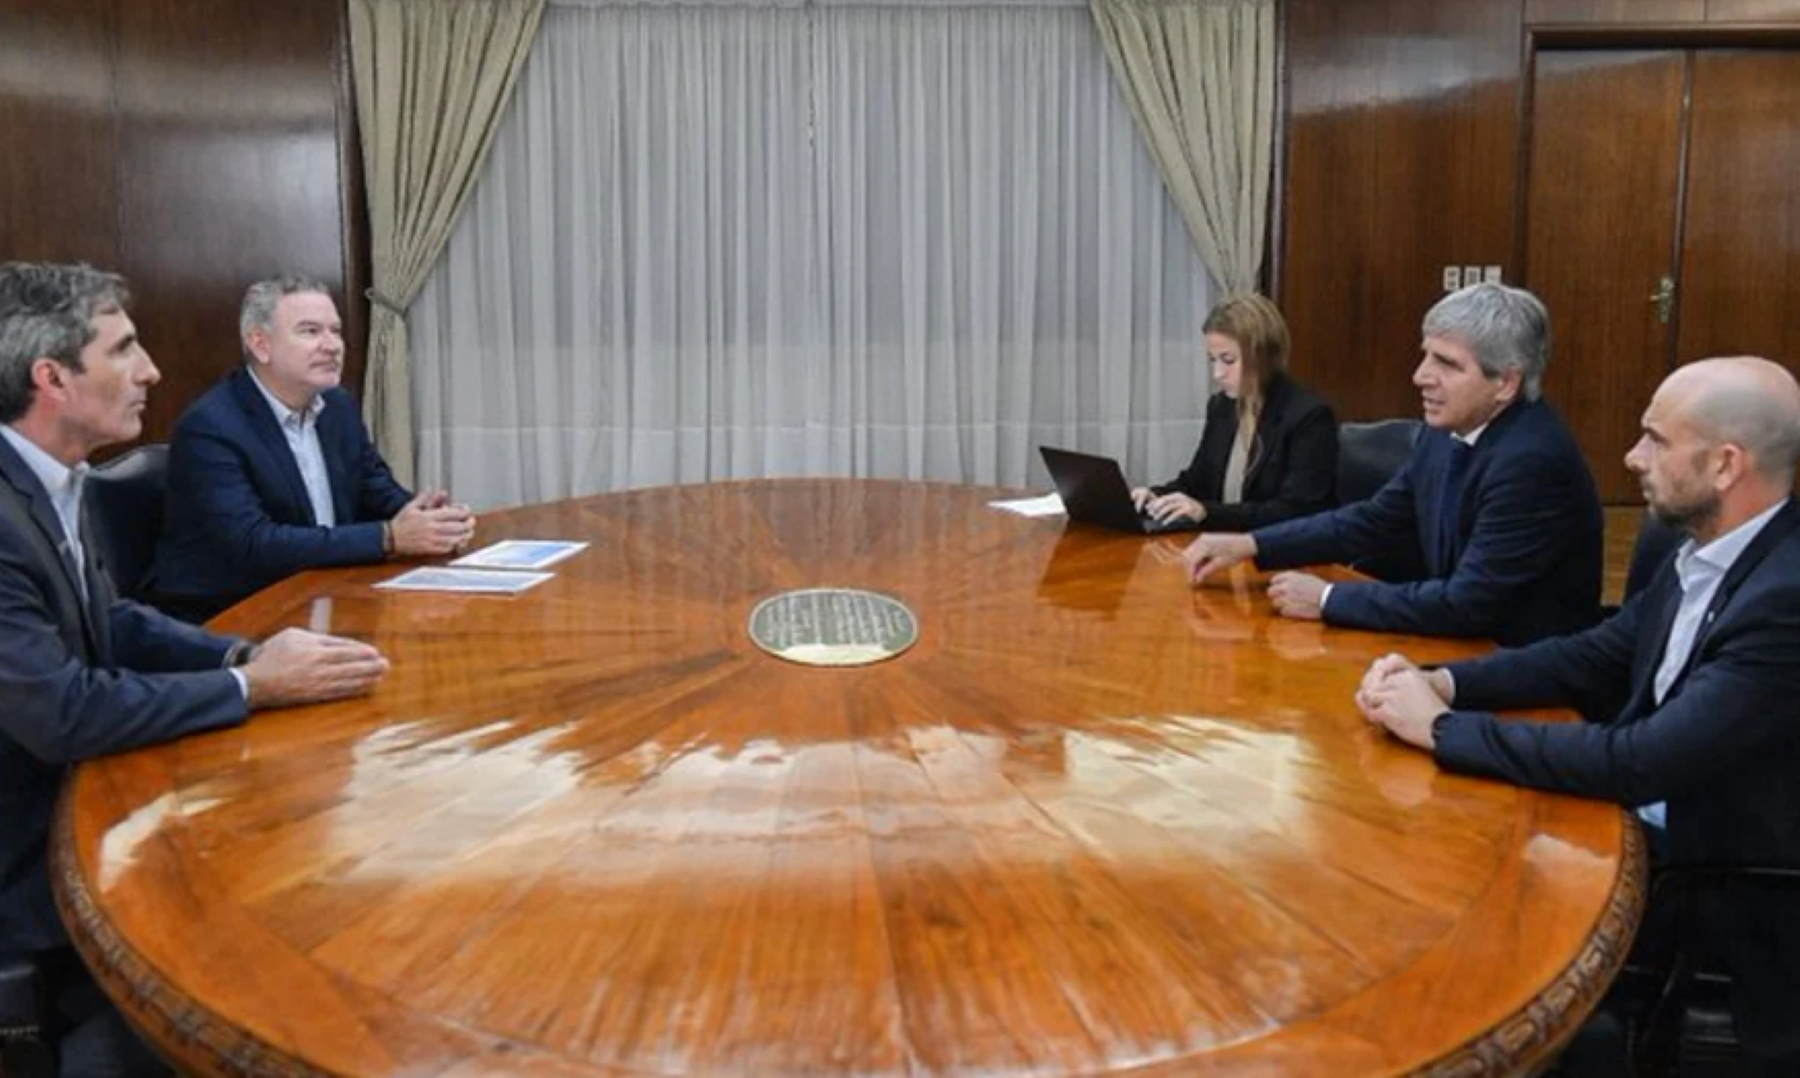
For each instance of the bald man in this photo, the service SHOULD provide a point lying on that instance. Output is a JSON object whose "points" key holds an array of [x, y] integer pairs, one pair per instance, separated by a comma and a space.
{"points": [[1701, 673]]}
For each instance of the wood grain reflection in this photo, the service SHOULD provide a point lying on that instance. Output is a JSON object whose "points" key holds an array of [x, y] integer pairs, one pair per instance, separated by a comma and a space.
{"points": [[1094, 822]]}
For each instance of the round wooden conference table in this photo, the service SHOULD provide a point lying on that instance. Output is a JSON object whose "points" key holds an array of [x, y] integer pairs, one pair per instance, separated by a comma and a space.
{"points": [[1095, 822]]}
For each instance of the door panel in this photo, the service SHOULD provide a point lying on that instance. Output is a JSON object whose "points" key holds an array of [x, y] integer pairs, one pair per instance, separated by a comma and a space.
{"points": [[1601, 195], [1626, 11], [1753, 10], [1741, 252]]}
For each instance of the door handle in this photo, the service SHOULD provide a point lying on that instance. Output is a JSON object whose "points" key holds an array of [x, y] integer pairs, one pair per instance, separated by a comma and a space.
{"points": [[1664, 298]]}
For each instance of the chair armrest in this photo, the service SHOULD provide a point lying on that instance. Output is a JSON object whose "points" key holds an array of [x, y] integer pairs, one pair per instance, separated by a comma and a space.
{"points": [[25, 1050], [1689, 879]]}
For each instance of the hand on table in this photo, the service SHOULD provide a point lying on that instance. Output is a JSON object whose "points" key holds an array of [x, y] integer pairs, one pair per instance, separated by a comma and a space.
{"points": [[1217, 551], [297, 666], [1298, 595]]}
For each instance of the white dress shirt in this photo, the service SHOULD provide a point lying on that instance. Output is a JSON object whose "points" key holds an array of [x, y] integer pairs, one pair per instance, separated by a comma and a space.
{"points": [[1700, 570], [63, 484], [301, 429]]}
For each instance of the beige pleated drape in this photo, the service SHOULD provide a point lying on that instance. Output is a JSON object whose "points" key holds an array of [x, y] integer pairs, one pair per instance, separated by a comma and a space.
{"points": [[431, 79], [1199, 75]]}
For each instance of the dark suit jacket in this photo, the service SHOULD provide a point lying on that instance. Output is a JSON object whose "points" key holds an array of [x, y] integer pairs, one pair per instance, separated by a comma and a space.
{"points": [[1294, 471], [1723, 749], [78, 680], [1525, 561], [238, 518]]}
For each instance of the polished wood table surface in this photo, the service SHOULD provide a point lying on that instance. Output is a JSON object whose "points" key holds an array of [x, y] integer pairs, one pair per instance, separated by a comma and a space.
{"points": [[1095, 822]]}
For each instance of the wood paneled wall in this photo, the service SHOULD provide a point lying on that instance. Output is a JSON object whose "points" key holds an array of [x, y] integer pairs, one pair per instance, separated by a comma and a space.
{"points": [[1402, 136], [1403, 132], [198, 144], [193, 145]]}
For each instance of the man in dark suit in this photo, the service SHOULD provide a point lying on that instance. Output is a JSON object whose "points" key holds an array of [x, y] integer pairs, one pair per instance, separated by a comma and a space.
{"points": [[1698, 674], [271, 472], [1496, 500], [83, 673]]}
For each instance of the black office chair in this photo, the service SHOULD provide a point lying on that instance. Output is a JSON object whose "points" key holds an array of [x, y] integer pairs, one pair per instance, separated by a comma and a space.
{"points": [[1370, 453], [125, 497], [1654, 546], [1368, 456], [25, 1050], [1656, 543], [1685, 1026]]}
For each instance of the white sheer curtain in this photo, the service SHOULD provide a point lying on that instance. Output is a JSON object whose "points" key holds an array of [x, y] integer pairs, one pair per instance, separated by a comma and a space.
{"points": [[736, 241]]}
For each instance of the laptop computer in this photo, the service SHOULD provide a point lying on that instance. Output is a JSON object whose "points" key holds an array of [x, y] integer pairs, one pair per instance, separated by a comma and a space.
{"points": [[1093, 490]]}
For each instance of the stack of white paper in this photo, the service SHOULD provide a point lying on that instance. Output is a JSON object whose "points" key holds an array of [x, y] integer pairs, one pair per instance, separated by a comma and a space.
{"points": [[505, 568]]}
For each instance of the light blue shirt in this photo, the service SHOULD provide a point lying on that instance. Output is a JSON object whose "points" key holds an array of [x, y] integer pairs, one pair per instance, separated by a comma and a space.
{"points": [[301, 429], [64, 485], [1700, 570]]}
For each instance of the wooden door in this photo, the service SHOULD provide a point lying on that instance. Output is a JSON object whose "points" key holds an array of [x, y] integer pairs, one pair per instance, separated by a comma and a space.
{"points": [[1740, 274], [1603, 183], [1660, 175]]}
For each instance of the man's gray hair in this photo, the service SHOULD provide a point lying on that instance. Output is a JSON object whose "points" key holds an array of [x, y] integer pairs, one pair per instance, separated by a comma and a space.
{"points": [[260, 300], [1507, 329], [48, 311], [1746, 413]]}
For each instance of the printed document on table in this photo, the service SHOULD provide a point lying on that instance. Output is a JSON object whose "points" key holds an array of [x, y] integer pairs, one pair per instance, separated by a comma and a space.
{"points": [[1049, 505], [520, 554], [470, 581]]}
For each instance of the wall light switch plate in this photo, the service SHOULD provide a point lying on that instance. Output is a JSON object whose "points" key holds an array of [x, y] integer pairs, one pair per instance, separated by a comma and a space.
{"points": [[1492, 275]]}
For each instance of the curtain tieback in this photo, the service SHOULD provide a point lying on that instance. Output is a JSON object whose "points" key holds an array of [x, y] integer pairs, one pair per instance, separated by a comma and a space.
{"points": [[380, 299]]}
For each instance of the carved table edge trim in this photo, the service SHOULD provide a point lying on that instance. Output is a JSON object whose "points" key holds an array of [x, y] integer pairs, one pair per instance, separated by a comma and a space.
{"points": [[172, 1021], [1521, 1040], [1528, 1037]]}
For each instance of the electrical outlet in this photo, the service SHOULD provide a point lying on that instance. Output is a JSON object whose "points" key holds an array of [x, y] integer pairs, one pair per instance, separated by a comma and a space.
{"points": [[1471, 275], [1452, 278]]}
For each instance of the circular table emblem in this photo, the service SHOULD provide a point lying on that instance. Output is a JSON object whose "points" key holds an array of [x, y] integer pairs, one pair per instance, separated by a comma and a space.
{"points": [[833, 626]]}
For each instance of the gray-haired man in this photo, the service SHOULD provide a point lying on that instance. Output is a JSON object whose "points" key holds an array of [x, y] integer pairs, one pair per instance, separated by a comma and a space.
{"points": [[271, 472], [1496, 500], [82, 672]]}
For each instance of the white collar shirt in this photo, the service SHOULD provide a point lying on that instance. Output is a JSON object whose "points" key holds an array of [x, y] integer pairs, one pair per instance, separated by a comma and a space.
{"points": [[64, 485], [1699, 570], [301, 429]]}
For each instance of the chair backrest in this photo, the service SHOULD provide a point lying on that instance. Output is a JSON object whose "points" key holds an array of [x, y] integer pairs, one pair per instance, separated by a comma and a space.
{"points": [[25, 1050], [1655, 543], [1370, 453], [125, 498]]}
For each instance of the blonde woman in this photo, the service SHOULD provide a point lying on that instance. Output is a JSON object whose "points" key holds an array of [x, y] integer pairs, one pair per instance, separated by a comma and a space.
{"points": [[1269, 449]]}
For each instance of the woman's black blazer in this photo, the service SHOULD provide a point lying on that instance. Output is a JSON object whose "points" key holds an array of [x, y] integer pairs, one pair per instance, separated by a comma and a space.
{"points": [[1293, 472]]}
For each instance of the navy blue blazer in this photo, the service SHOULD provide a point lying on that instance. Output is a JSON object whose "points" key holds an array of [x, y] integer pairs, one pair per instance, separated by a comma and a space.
{"points": [[1293, 472], [1525, 558], [1723, 749], [237, 515], [77, 680]]}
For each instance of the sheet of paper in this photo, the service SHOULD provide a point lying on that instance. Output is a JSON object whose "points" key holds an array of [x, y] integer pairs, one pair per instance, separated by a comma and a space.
{"points": [[1048, 505], [519, 554], [471, 581]]}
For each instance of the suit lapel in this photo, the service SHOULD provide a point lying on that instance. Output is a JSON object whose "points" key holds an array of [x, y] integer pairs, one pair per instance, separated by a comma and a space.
{"points": [[342, 497], [1661, 604], [53, 545], [1777, 529], [99, 591], [1481, 455], [262, 420], [1266, 424]]}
